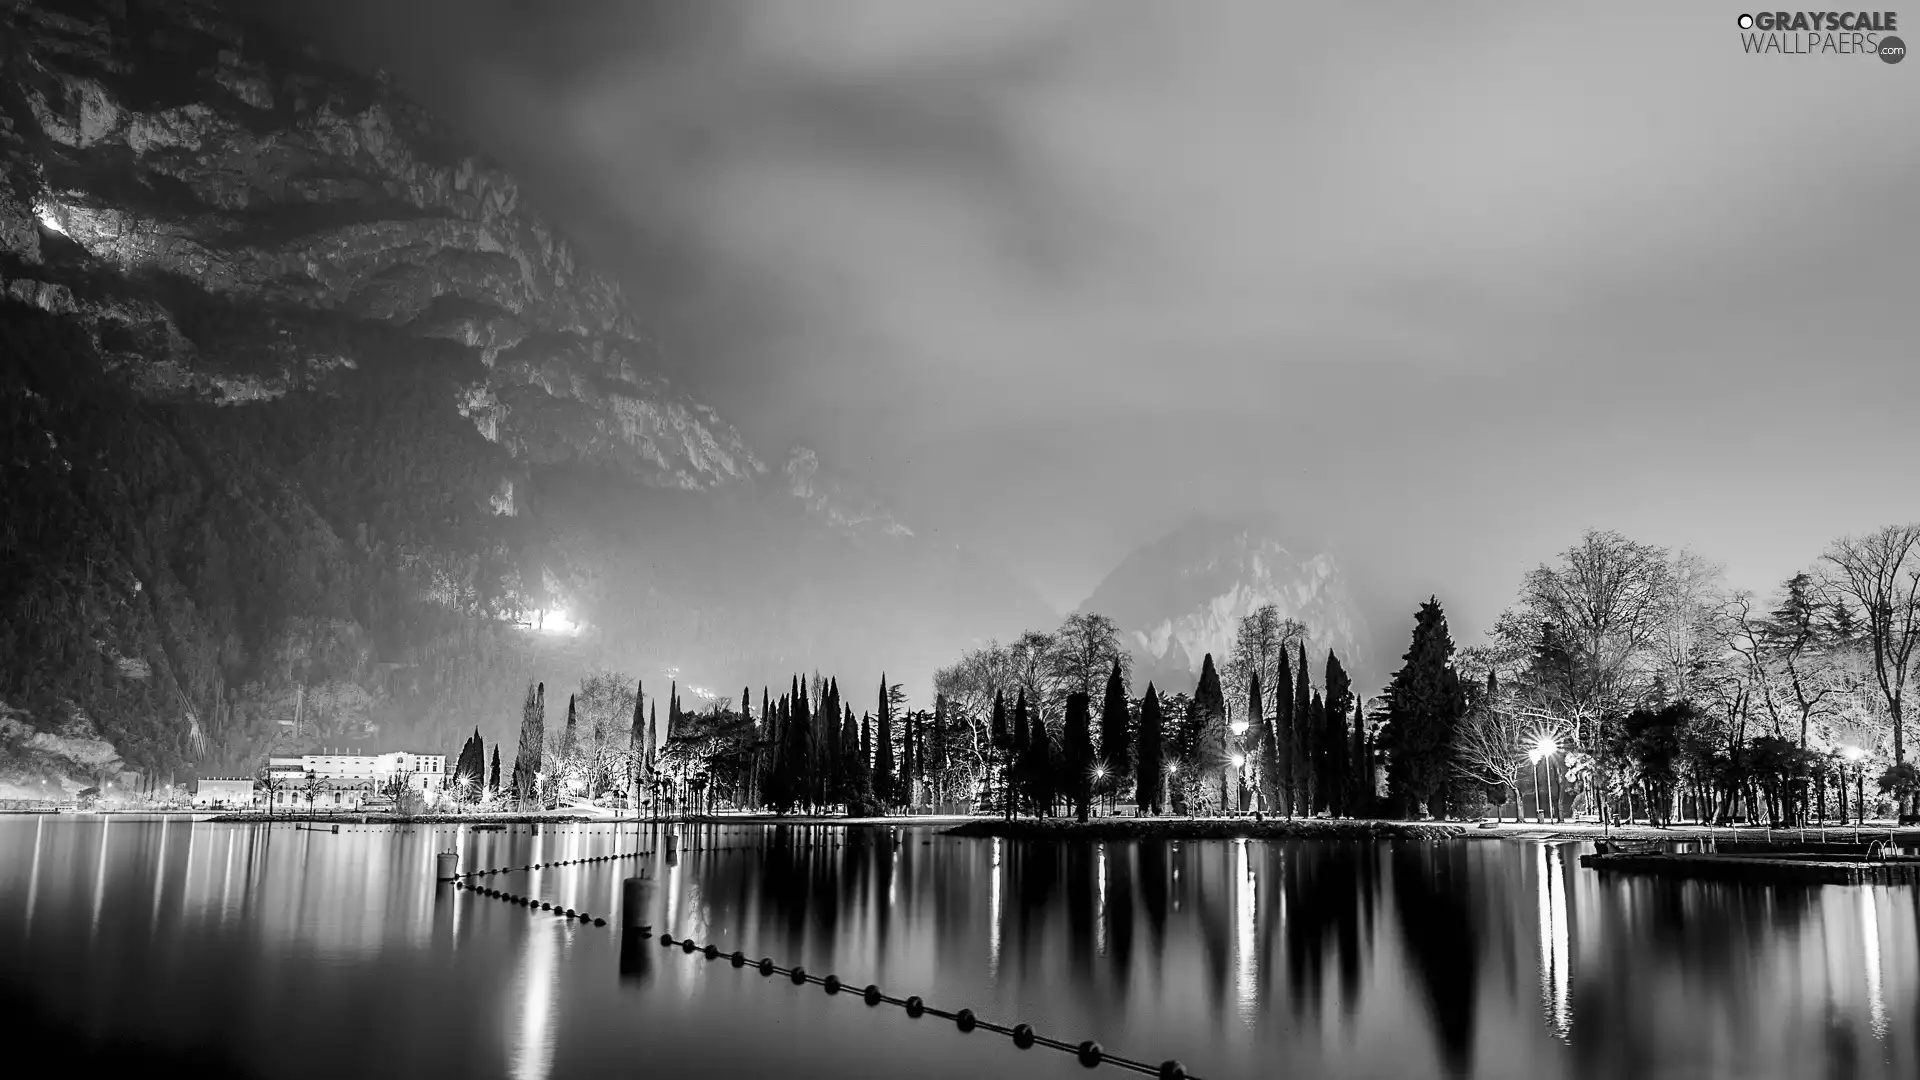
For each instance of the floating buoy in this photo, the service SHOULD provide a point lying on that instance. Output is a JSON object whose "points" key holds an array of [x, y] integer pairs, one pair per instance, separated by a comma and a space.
{"points": [[872, 994], [1172, 1070], [1090, 1053], [964, 1020], [798, 975], [915, 1006], [1023, 1036], [832, 983], [766, 965]]}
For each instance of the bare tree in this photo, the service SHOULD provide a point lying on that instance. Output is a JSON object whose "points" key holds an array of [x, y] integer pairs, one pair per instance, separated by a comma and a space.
{"points": [[1492, 743], [1084, 650], [1881, 573], [1609, 599], [1257, 646]]}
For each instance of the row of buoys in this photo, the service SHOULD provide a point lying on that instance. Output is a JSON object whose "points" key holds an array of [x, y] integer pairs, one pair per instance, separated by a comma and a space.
{"points": [[529, 903], [1089, 1053], [557, 863]]}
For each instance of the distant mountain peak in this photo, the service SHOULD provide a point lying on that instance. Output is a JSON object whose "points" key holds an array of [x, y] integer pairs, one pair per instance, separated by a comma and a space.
{"points": [[1181, 596]]}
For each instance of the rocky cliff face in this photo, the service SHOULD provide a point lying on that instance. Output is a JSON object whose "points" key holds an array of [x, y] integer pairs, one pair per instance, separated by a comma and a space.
{"points": [[369, 365], [1183, 596]]}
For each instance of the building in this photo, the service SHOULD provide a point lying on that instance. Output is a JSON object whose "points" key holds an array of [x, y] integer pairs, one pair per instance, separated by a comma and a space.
{"points": [[224, 792], [346, 781]]}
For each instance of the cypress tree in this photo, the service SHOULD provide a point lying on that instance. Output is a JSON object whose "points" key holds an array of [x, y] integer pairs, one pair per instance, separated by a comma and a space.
{"points": [[1302, 737], [1283, 735], [1339, 700], [1268, 759], [1003, 750], [527, 764], [1317, 734], [493, 777], [673, 709], [1076, 756], [1424, 706], [568, 736], [1040, 768], [1360, 792], [852, 768], [866, 742], [937, 773], [1150, 770], [885, 783], [636, 744], [1022, 739], [805, 775], [1115, 755], [1210, 748]]}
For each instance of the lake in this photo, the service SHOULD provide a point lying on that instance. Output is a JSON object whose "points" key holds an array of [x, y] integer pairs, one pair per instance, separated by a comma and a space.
{"points": [[246, 950]]}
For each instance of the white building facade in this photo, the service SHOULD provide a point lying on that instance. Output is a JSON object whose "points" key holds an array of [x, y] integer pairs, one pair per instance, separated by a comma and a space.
{"points": [[347, 781], [223, 792]]}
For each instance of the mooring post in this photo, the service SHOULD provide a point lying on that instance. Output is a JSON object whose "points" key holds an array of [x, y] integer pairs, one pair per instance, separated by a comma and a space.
{"points": [[446, 867], [636, 900], [673, 847]]}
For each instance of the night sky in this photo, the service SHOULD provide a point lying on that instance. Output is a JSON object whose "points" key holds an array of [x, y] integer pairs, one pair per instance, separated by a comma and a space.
{"points": [[1446, 284]]}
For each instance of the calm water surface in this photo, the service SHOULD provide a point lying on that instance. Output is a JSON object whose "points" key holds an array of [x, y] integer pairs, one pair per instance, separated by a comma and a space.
{"points": [[297, 953]]}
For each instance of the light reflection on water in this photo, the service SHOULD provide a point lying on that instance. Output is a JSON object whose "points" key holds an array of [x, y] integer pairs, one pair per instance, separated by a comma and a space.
{"points": [[1327, 959]]}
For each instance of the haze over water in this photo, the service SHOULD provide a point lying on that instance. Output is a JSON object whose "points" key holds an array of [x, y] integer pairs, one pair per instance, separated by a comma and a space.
{"points": [[304, 953]]}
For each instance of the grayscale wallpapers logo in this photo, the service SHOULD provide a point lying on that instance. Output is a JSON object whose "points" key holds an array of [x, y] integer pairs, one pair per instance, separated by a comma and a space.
{"points": [[1823, 33]]}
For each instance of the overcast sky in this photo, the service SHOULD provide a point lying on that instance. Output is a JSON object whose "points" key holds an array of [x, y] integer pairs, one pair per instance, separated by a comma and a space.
{"points": [[1448, 283]]}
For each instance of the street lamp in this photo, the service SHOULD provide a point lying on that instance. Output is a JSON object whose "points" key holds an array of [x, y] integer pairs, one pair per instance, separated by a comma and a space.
{"points": [[1099, 776], [1855, 756], [1543, 749]]}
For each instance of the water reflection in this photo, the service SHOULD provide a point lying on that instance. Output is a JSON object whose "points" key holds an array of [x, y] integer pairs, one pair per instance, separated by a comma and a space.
{"points": [[1467, 959]]}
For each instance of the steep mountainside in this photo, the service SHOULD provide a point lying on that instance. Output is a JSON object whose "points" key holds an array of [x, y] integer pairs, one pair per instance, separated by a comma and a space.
{"points": [[307, 413], [1182, 597]]}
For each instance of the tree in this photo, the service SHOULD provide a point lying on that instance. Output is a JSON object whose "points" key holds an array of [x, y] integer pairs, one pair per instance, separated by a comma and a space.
{"points": [[1303, 746], [1084, 648], [1283, 735], [1076, 753], [1333, 736], [527, 764], [1003, 751], [1880, 573], [1116, 756], [1424, 703], [1260, 647], [1039, 768], [1022, 742], [1360, 761], [1491, 745], [1267, 767], [493, 774], [1150, 772], [1210, 746], [884, 784], [637, 746]]}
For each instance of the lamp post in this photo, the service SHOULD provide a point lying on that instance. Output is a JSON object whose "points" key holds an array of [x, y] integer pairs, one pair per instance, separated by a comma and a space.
{"points": [[1543, 749], [1855, 757], [1099, 777], [1173, 771], [1239, 728]]}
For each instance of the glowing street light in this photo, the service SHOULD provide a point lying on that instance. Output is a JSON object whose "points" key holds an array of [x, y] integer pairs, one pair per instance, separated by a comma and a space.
{"points": [[1239, 728], [1239, 761]]}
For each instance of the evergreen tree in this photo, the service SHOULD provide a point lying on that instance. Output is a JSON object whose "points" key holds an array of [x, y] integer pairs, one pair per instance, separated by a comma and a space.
{"points": [[804, 747], [1360, 765], [1022, 739], [1210, 759], [885, 784], [653, 737], [569, 736], [854, 770], [1076, 756], [937, 768], [1302, 737], [866, 744], [1040, 768], [1003, 750], [1115, 755], [1268, 759], [1339, 701], [1318, 734], [836, 770], [527, 764], [908, 766], [1424, 707], [1283, 736], [673, 709], [493, 777], [1149, 770], [636, 744]]}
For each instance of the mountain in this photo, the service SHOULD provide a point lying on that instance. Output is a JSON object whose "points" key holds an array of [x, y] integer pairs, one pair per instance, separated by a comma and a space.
{"points": [[1182, 596], [310, 417]]}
